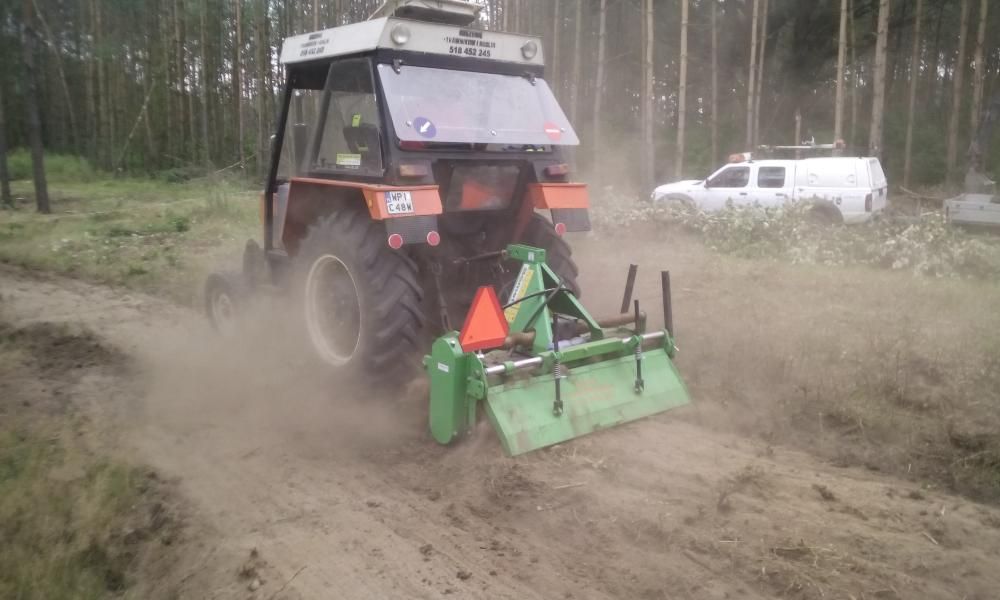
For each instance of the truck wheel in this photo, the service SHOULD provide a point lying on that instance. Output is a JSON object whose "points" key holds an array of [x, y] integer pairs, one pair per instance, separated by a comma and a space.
{"points": [[361, 299], [825, 215], [558, 255]]}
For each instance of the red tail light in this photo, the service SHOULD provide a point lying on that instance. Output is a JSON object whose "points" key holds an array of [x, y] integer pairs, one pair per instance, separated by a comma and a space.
{"points": [[433, 238], [868, 202], [560, 229], [395, 241]]}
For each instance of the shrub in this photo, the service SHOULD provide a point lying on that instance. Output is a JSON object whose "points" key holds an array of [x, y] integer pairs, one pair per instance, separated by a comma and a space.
{"points": [[58, 167], [927, 245]]}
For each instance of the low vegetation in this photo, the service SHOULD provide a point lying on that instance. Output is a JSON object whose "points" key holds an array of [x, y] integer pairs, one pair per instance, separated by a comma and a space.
{"points": [[142, 233], [923, 245]]}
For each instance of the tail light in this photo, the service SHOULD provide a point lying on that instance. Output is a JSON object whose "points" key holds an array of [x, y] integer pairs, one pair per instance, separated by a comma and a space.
{"points": [[560, 229], [433, 238], [395, 241], [868, 202]]}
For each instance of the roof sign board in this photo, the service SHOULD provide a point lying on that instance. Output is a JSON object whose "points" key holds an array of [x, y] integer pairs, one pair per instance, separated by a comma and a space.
{"points": [[413, 36]]}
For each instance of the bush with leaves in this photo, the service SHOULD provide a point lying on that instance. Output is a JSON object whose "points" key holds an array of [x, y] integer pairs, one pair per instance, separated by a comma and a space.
{"points": [[926, 245]]}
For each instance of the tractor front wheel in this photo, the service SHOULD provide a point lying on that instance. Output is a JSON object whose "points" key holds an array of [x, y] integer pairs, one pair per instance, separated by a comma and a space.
{"points": [[361, 299]]}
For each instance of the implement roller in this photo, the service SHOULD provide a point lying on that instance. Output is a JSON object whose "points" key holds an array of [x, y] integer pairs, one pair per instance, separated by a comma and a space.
{"points": [[545, 370]]}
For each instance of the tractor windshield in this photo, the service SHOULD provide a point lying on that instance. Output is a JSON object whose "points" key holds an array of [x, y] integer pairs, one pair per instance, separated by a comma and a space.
{"points": [[436, 105]]}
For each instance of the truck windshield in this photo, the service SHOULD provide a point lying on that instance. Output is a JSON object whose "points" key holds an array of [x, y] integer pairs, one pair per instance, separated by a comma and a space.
{"points": [[436, 105]]}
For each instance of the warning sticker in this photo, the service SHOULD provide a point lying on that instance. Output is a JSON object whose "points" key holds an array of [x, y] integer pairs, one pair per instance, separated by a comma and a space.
{"points": [[348, 160], [425, 127], [520, 289]]}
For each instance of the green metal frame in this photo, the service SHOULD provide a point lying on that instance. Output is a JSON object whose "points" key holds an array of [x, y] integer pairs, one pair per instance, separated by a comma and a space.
{"points": [[612, 377]]}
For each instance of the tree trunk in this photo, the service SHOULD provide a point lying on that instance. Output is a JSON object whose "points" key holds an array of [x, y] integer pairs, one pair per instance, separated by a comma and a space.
{"points": [[574, 95], [261, 41], [682, 92], [103, 118], [838, 117], [238, 84], [31, 100], [57, 56], [751, 80], [762, 52], [979, 77], [852, 137], [5, 198], [596, 144], [554, 78], [206, 155], [715, 85], [182, 112], [91, 89], [914, 77], [649, 39], [956, 95], [878, 99]]}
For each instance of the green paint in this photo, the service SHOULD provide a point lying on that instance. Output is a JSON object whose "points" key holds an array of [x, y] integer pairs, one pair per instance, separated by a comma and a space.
{"points": [[594, 397]]}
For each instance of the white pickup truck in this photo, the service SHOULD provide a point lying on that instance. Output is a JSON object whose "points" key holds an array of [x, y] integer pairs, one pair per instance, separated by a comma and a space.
{"points": [[842, 189]]}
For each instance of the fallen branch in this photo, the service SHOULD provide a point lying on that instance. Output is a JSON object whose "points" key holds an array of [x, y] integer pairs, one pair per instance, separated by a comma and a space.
{"points": [[290, 579], [569, 485]]}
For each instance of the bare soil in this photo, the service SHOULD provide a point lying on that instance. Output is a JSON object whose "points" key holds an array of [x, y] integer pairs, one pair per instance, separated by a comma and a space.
{"points": [[303, 486]]}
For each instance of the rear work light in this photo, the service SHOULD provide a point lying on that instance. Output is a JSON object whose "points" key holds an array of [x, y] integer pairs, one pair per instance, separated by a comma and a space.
{"points": [[868, 202], [559, 170], [414, 170]]}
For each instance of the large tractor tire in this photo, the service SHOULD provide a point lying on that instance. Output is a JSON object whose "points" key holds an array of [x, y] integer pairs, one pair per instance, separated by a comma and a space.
{"points": [[558, 255], [362, 299]]}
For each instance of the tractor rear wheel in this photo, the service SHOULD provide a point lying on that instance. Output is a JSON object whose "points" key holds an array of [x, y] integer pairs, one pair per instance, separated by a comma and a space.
{"points": [[361, 299], [558, 255]]}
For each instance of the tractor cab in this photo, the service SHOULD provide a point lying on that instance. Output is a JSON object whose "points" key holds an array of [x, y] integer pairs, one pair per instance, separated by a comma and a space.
{"points": [[421, 115]]}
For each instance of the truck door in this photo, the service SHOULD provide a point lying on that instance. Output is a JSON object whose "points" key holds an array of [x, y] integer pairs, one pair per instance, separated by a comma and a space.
{"points": [[731, 184], [773, 185]]}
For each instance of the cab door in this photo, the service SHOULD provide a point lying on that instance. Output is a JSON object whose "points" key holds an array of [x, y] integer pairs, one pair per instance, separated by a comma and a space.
{"points": [[729, 185], [773, 185]]}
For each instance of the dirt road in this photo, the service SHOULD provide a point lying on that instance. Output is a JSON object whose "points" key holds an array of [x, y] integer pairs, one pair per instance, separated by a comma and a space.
{"points": [[343, 495]]}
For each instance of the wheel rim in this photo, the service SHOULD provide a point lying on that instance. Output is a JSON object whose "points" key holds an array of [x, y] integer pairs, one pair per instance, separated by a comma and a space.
{"points": [[333, 310], [223, 311]]}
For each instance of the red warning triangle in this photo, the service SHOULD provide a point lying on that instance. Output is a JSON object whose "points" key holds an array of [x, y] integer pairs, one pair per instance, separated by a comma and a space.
{"points": [[485, 326]]}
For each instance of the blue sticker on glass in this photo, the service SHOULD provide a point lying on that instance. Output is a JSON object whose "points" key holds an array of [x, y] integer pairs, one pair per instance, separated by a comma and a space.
{"points": [[425, 127]]}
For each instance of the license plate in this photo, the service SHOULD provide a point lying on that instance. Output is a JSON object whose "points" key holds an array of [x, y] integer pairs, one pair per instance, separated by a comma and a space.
{"points": [[398, 203]]}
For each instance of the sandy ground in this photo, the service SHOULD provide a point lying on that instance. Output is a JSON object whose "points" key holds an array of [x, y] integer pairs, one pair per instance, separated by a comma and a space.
{"points": [[341, 494]]}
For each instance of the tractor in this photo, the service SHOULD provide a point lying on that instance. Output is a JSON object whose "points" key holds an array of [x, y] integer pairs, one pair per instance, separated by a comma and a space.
{"points": [[414, 156]]}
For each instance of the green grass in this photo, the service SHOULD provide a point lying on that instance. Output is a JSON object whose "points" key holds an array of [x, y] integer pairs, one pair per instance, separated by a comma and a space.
{"points": [[141, 233]]}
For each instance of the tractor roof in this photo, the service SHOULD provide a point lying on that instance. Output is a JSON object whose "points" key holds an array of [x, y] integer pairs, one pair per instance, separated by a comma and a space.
{"points": [[394, 33], [451, 12]]}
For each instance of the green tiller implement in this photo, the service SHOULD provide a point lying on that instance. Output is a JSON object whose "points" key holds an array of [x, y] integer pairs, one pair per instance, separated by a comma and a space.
{"points": [[552, 372]]}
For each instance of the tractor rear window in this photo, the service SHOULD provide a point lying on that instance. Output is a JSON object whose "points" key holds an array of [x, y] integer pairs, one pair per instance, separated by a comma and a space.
{"points": [[440, 106]]}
